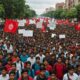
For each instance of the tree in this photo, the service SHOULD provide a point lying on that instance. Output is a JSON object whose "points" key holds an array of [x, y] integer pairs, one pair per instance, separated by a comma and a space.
{"points": [[16, 9], [29, 12], [78, 12], [63, 14], [57, 13], [1, 11], [49, 14], [72, 13]]}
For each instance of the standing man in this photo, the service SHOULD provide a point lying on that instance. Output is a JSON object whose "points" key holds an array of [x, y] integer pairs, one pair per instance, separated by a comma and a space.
{"points": [[71, 75]]}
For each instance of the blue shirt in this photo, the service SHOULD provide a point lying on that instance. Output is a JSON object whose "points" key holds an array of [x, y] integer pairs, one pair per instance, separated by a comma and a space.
{"points": [[24, 58]]}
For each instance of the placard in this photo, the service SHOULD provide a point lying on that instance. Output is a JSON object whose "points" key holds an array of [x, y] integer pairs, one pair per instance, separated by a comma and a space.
{"points": [[21, 22], [53, 35], [28, 33], [21, 31], [39, 25], [62, 36]]}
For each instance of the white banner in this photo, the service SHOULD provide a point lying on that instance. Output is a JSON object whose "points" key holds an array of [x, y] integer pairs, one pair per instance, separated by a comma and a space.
{"points": [[52, 25], [28, 33], [21, 31], [39, 25], [62, 36], [21, 22], [32, 21]]}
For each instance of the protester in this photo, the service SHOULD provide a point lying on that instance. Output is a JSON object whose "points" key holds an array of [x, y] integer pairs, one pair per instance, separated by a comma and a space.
{"points": [[12, 76], [4, 75], [53, 77], [71, 75], [31, 59], [41, 75], [25, 76], [42, 56], [59, 68]]}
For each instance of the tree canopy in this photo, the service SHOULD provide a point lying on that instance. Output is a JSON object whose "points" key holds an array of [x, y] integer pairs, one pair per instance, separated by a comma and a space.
{"points": [[15, 9], [65, 13]]}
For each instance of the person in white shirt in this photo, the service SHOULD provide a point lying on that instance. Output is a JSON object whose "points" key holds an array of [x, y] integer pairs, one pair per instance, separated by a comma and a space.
{"points": [[41, 55], [79, 77], [31, 59], [4, 75], [19, 66], [71, 75], [8, 47]]}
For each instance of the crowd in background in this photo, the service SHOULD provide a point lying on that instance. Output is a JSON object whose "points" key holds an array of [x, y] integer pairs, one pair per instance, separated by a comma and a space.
{"points": [[40, 57]]}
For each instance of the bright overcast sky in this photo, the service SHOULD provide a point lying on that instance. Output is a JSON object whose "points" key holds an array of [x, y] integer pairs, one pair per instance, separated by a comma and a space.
{"points": [[40, 5]]}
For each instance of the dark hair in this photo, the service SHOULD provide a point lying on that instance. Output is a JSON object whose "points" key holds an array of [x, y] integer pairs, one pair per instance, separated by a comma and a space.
{"points": [[28, 62], [4, 68], [14, 64], [45, 60], [59, 57], [0, 61], [9, 59], [37, 58], [24, 70], [70, 68], [12, 72], [78, 66], [53, 72]]}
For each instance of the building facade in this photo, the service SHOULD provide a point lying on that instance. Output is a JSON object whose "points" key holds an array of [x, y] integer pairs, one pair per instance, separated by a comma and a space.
{"points": [[71, 3], [49, 9], [60, 5]]}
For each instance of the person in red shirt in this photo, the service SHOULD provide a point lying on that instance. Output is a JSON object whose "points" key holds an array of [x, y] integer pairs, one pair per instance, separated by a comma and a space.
{"points": [[14, 57], [9, 65], [25, 75], [59, 68], [53, 77], [47, 66]]}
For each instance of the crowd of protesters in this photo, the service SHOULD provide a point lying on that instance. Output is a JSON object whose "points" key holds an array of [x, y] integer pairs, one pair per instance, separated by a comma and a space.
{"points": [[40, 57]]}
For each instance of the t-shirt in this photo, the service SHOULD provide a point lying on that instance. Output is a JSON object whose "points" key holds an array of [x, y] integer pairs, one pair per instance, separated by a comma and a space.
{"points": [[31, 60], [41, 57], [73, 77], [4, 77]]}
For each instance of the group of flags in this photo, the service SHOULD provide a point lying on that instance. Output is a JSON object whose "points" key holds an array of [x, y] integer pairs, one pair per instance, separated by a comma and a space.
{"points": [[65, 22], [11, 26]]}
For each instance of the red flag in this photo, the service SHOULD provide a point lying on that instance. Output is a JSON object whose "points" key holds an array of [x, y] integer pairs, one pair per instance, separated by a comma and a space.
{"points": [[59, 22], [66, 22], [37, 20], [71, 24], [43, 27], [11, 26], [77, 27], [27, 22]]}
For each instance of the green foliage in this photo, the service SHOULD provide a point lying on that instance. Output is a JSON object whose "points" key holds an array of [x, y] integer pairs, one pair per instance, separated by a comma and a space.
{"points": [[49, 14], [72, 13], [78, 12], [64, 13], [57, 14], [1, 11], [29, 12], [14, 9]]}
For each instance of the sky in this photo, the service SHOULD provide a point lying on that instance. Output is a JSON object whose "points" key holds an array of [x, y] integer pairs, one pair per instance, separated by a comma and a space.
{"points": [[40, 5]]}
